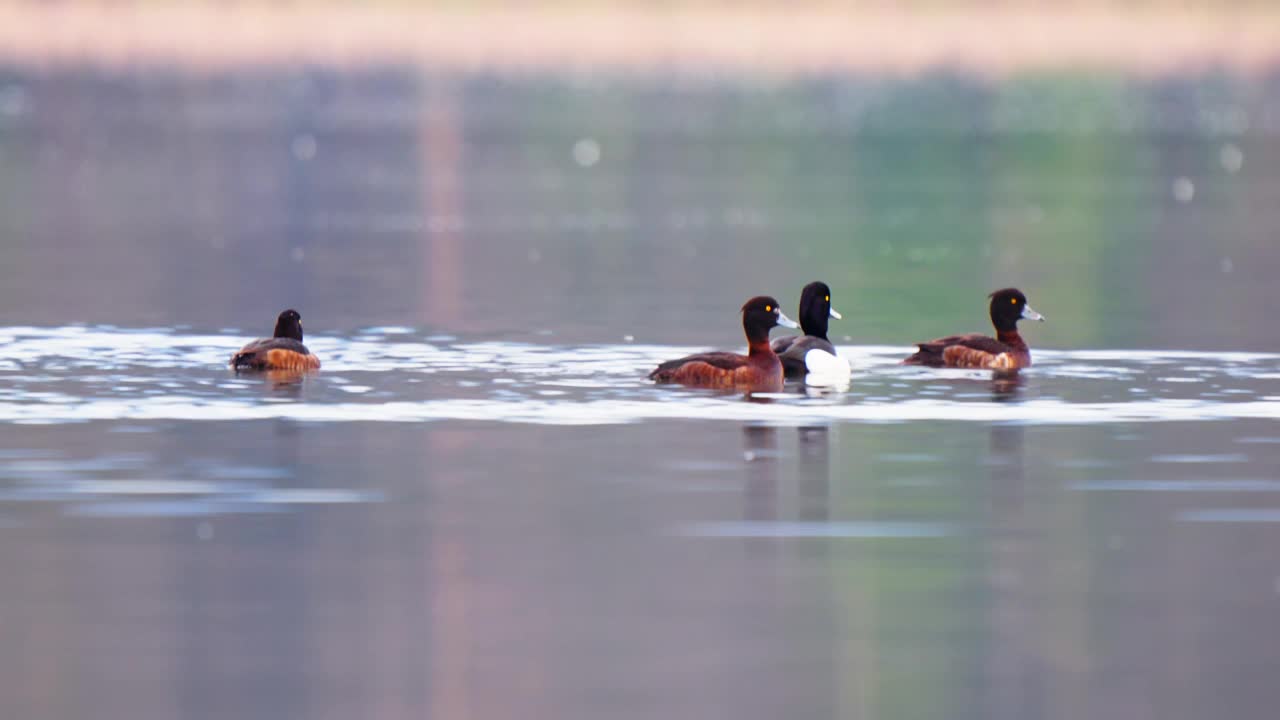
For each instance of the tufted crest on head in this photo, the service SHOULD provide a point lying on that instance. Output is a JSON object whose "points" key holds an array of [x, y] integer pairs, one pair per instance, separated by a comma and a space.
{"points": [[1011, 296], [760, 303], [289, 325], [1008, 306], [815, 309], [761, 314]]}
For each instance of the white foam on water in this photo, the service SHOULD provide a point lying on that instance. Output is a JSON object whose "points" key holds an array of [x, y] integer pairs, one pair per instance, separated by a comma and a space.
{"points": [[78, 374]]}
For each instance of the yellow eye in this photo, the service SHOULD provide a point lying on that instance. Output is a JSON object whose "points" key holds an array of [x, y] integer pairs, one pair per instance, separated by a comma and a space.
{"points": [[1013, 301], [768, 308], [827, 298]]}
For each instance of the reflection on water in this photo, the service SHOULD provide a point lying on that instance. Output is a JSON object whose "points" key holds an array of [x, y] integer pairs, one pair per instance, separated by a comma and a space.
{"points": [[813, 466], [1005, 387], [962, 568], [480, 508], [760, 484], [1011, 669]]}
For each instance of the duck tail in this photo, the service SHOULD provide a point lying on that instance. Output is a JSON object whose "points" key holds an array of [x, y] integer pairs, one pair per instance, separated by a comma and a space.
{"points": [[925, 355], [245, 360]]}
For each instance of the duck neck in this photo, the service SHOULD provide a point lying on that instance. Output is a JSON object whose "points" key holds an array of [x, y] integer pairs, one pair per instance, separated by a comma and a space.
{"points": [[758, 341], [815, 326], [1011, 338]]}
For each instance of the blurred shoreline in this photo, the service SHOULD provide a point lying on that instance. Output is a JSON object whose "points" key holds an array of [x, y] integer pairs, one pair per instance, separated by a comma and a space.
{"points": [[1151, 38]]}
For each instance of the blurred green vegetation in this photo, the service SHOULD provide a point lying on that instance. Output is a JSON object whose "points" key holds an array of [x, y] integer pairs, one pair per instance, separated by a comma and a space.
{"points": [[913, 197]]}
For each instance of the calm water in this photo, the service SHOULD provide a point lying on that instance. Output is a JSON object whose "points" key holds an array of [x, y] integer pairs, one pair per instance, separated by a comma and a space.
{"points": [[480, 508]]}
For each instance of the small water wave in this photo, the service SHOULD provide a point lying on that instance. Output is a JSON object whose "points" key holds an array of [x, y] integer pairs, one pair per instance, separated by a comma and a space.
{"points": [[1188, 486], [538, 410], [134, 485], [81, 374], [863, 530], [1232, 515]]}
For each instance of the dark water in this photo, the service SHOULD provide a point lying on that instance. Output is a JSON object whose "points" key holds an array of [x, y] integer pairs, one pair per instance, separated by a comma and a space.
{"points": [[480, 508]]}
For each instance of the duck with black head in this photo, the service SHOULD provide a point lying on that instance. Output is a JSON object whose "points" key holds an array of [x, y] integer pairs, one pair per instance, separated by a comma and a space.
{"points": [[282, 351], [757, 371], [815, 309], [1006, 351]]}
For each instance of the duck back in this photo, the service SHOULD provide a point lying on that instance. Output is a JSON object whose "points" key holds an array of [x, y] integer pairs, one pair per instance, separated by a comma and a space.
{"points": [[275, 354]]}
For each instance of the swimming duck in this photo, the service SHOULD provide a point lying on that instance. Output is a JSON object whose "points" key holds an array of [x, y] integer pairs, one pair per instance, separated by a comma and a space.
{"points": [[1006, 351], [815, 309], [759, 370], [282, 351]]}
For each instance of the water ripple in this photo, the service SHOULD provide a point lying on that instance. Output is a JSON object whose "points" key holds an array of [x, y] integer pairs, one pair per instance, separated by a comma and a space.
{"points": [[864, 530], [79, 374]]}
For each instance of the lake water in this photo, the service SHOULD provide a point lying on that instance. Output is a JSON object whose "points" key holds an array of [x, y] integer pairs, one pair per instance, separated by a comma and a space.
{"points": [[480, 508]]}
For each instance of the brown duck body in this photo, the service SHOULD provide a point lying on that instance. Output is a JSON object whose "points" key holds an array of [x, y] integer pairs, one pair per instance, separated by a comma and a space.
{"points": [[1005, 351], [759, 370], [275, 354], [283, 351]]}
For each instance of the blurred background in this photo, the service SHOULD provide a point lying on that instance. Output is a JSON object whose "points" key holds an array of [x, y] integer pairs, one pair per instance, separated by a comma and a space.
{"points": [[605, 165], [592, 172]]}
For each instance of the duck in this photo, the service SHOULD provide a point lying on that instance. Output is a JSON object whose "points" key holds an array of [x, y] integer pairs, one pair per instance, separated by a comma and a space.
{"points": [[1006, 351], [826, 370], [759, 370], [282, 351], [815, 309]]}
